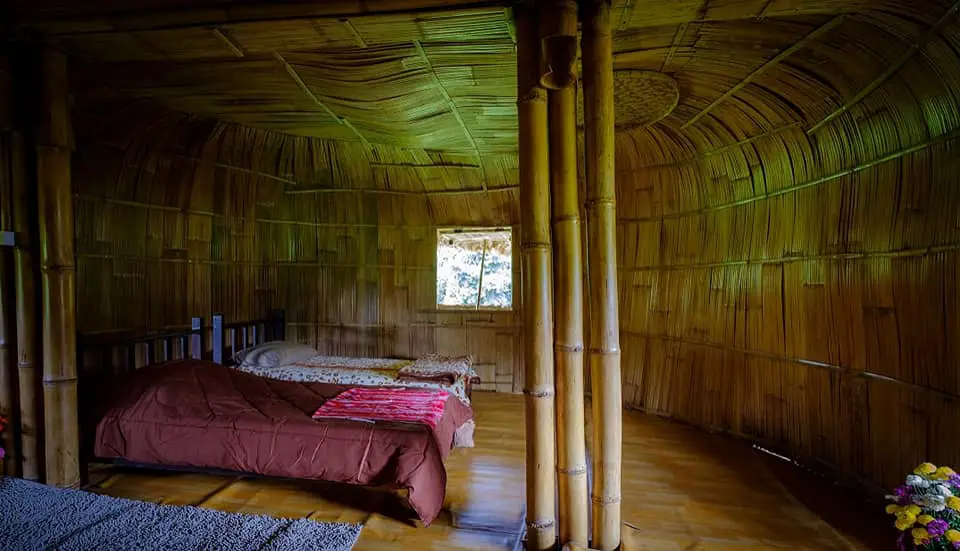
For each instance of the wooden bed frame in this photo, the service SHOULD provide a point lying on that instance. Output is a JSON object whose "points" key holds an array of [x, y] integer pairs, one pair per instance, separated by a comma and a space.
{"points": [[97, 355], [100, 356], [118, 355]]}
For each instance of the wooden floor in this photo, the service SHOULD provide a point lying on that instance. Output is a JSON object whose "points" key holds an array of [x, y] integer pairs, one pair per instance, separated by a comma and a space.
{"points": [[683, 489]]}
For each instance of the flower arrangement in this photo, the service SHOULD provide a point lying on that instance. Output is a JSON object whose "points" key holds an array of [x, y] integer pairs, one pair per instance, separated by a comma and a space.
{"points": [[927, 508]]}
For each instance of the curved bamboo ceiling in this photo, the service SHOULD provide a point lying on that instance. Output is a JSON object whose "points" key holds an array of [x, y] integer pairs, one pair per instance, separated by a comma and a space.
{"points": [[444, 79]]}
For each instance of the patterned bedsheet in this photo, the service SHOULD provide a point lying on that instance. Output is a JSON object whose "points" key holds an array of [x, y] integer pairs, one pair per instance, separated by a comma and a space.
{"points": [[357, 372]]}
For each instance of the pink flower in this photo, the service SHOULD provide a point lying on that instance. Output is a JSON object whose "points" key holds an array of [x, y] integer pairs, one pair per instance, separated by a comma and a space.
{"points": [[2, 453]]}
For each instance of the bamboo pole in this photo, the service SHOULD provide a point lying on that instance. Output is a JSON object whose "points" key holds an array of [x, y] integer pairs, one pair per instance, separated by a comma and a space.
{"points": [[9, 388], [535, 286], [27, 323], [61, 426], [568, 316], [604, 353]]}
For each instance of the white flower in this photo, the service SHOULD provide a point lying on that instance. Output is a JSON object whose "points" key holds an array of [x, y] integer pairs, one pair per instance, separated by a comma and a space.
{"points": [[944, 490], [932, 502], [919, 481]]}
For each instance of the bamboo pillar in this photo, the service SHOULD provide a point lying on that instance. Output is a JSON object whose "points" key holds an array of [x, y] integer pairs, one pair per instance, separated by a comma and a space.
{"points": [[568, 316], [27, 350], [9, 388], [604, 353], [54, 139], [535, 287]]}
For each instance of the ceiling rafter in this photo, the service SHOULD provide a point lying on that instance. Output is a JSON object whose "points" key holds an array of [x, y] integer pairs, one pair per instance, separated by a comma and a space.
{"points": [[309, 93], [892, 69], [774, 61], [453, 105], [223, 35], [352, 29], [674, 45]]}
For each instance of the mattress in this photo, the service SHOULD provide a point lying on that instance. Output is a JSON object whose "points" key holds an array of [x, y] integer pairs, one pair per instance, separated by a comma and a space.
{"points": [[193, 413], [358, 372]]}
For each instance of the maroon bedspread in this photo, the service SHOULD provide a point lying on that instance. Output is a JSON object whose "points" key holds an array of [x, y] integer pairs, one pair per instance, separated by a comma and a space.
{"points": [[199, 414]]}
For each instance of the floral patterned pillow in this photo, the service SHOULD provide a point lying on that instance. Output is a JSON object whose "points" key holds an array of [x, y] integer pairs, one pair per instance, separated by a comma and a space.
{"points": [[435, 364]]}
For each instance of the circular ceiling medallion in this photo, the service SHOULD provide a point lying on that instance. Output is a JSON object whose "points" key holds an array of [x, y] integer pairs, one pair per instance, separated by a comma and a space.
{"points": [[640, 98]]}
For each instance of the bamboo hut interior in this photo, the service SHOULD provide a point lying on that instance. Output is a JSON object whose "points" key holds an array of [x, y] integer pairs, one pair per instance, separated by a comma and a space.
{"points": [[734, 230]]}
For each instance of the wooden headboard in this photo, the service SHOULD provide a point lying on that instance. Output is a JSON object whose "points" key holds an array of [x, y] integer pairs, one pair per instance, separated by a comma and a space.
{"points": [[217, 342]]}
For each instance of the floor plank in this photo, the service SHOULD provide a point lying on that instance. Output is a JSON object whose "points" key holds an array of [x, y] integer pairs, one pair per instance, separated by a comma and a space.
{"points": [[683, 489]]}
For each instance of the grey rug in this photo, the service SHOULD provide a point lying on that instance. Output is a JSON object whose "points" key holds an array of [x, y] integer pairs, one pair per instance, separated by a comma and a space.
{"points": [[34, 516]]}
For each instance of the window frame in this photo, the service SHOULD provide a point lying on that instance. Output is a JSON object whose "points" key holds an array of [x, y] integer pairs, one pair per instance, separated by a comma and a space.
{"points": [[436, 270]]}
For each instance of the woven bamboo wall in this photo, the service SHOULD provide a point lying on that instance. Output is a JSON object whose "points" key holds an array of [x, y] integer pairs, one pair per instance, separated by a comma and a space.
{"points": [[798, 285], [178, 217]]}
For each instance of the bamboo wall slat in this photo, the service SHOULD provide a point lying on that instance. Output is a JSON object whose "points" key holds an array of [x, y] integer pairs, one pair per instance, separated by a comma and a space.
{"points": [[801, 288]]}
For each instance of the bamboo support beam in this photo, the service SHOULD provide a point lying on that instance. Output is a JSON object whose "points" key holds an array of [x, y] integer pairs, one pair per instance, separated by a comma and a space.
{"points": [[604, 338], [28, 352], [568, 316], [61, 426], [537, 311], [200, 14]]}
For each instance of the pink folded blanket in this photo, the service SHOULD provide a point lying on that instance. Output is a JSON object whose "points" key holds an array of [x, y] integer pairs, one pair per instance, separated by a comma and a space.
{"points": [[404, 405]]}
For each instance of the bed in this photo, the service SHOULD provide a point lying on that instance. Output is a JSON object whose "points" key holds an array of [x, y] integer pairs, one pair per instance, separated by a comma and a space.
{"points": [[190, 412]]}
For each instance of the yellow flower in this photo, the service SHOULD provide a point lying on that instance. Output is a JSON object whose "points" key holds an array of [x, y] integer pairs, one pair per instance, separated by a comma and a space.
{"points": [[920, 534], [893, 509], [912, 510], [924, 519], [904, 522], [953, 502], [953, 536], [943, 473], [925, 468]]}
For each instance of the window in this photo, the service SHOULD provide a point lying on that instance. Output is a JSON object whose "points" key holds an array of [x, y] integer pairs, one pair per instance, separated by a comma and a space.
{"points": [[475, 268]]}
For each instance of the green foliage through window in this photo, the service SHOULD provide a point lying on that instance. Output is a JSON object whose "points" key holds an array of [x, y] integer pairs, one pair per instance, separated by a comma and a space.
{"points": [[475, 268]]}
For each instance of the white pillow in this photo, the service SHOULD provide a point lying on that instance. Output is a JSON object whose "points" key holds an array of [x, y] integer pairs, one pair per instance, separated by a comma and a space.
{"points": [[274, 354]]}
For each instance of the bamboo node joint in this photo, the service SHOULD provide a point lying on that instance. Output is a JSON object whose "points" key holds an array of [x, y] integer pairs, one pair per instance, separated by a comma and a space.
{"points": [[600, 201], [540, 524], [560, 347], [578, 470]]}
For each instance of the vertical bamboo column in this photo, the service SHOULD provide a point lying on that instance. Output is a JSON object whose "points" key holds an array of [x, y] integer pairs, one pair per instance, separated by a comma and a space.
{"points": [[535, 287], [27, 350], [604, 353], [54, 137], [9, 388], [568, 316]]}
